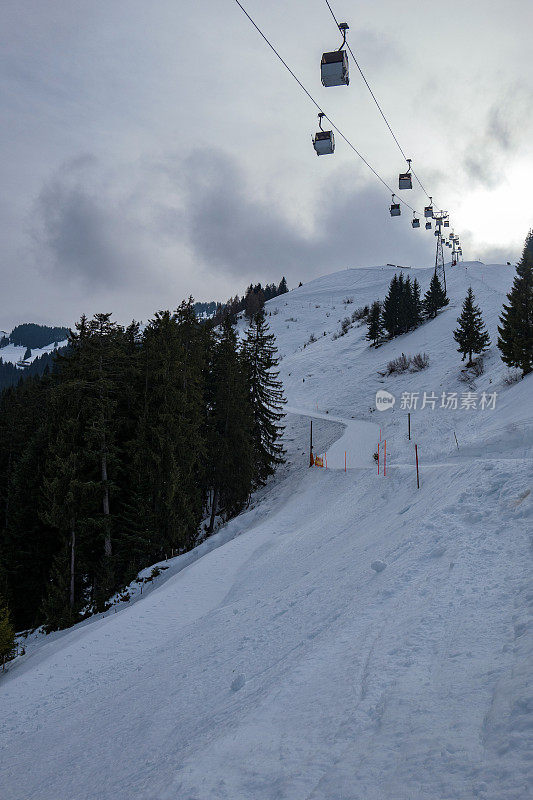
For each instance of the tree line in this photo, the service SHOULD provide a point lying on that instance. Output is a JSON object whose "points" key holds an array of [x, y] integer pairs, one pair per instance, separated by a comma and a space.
{"points": [[11, 374], [404, 309], [34, 336], [251, 302], [132, 447]]}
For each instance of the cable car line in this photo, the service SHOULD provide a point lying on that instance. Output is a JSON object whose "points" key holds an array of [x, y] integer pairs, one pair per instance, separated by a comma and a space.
{"points": [[310, 96], [400, 148]]}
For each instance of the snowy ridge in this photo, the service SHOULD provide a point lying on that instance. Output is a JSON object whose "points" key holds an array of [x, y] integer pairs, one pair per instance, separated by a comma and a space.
{"points": [[276, 661], [13, 353]]}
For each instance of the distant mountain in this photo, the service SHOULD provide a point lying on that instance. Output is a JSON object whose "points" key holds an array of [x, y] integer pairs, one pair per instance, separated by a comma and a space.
{"points": [[28, 350], [29, 334]]}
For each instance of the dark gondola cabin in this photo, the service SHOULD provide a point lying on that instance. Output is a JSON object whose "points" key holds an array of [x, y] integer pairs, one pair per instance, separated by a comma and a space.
{"points": [[395, 209], [324, 143], [334, 69], [428, 211], [416, 222], [428, 226]]}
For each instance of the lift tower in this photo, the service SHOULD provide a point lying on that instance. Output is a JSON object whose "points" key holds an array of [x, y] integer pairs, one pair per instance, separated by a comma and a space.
{"points": [[440, 272]]}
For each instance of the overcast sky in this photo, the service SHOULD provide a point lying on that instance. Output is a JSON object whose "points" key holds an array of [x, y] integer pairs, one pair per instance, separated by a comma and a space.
{"points": [[152, 150]]}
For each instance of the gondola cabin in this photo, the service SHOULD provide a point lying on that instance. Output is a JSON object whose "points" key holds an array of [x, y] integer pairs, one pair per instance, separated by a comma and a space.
{"points": [[324, 143], [428, 226], [334, 69], [428, 212], [395, 210], [416, 222], [404, 181], [446, 223]]}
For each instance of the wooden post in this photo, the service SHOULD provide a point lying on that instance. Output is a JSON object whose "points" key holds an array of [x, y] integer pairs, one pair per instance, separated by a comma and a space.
{"points": [[385, 459], [417, 473], [311, 446], [409, 424]]}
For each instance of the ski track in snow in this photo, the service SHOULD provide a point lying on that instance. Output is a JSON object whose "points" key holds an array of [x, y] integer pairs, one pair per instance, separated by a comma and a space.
{"points": [[273, 662]]}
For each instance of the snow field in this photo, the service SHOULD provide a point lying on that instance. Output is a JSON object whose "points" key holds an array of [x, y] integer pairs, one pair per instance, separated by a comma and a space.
{"points": [[275, 661]]}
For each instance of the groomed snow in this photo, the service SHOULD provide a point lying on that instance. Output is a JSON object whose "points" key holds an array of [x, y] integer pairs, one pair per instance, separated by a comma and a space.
{"points": [[349, 637]]}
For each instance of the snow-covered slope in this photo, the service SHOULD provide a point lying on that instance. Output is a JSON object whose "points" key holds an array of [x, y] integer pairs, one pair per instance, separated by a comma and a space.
{"points": [[13, 353], [349, 636]]}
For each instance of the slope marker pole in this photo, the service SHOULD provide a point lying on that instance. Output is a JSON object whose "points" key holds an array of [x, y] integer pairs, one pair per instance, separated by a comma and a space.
{"points": [[385, 459], [409, 424], [378, 458], [417, 473], [345, 460]]}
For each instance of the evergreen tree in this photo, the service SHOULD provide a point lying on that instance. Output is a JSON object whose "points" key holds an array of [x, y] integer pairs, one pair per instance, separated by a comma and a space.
{"points": [[7, 634], [405, 304], [471, 335], [283, 288], [417, 311], [265, 395], [27, 354], [435, 298], [391, 308], [375, 324], [27, 545], [230, 431], [516, 330]]}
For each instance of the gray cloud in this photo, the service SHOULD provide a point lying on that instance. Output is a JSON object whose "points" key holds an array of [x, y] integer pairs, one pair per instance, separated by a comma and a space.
{"points": [[228, 228], [202, 176], [505, 130], [87, 231]]}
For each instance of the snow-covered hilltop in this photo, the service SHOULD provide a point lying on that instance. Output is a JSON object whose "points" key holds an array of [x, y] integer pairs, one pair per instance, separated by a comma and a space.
{"points": [[349, 636]]}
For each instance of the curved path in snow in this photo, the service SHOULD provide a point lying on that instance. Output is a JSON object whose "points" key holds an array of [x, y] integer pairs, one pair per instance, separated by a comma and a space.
{"points": [[358, 441]]}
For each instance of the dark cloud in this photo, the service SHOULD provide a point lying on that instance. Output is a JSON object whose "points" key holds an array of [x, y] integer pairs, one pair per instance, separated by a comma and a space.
{"points": [[107, 234], [230, 229], [503, 132], [88, 231]]}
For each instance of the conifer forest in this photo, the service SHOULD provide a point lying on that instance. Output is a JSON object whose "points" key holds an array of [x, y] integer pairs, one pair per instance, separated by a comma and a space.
{"points": [[131, 448]]}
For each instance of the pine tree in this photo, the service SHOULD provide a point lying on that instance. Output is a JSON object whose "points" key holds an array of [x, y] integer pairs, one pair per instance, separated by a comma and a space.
{"points": [[27, 545], [405, 299], [230, 427], [516, 330], [265, 395], [375, 324], [435, 298], [417, 311], [7, 634], [471, 335], [283, 288], [391, 308]]}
